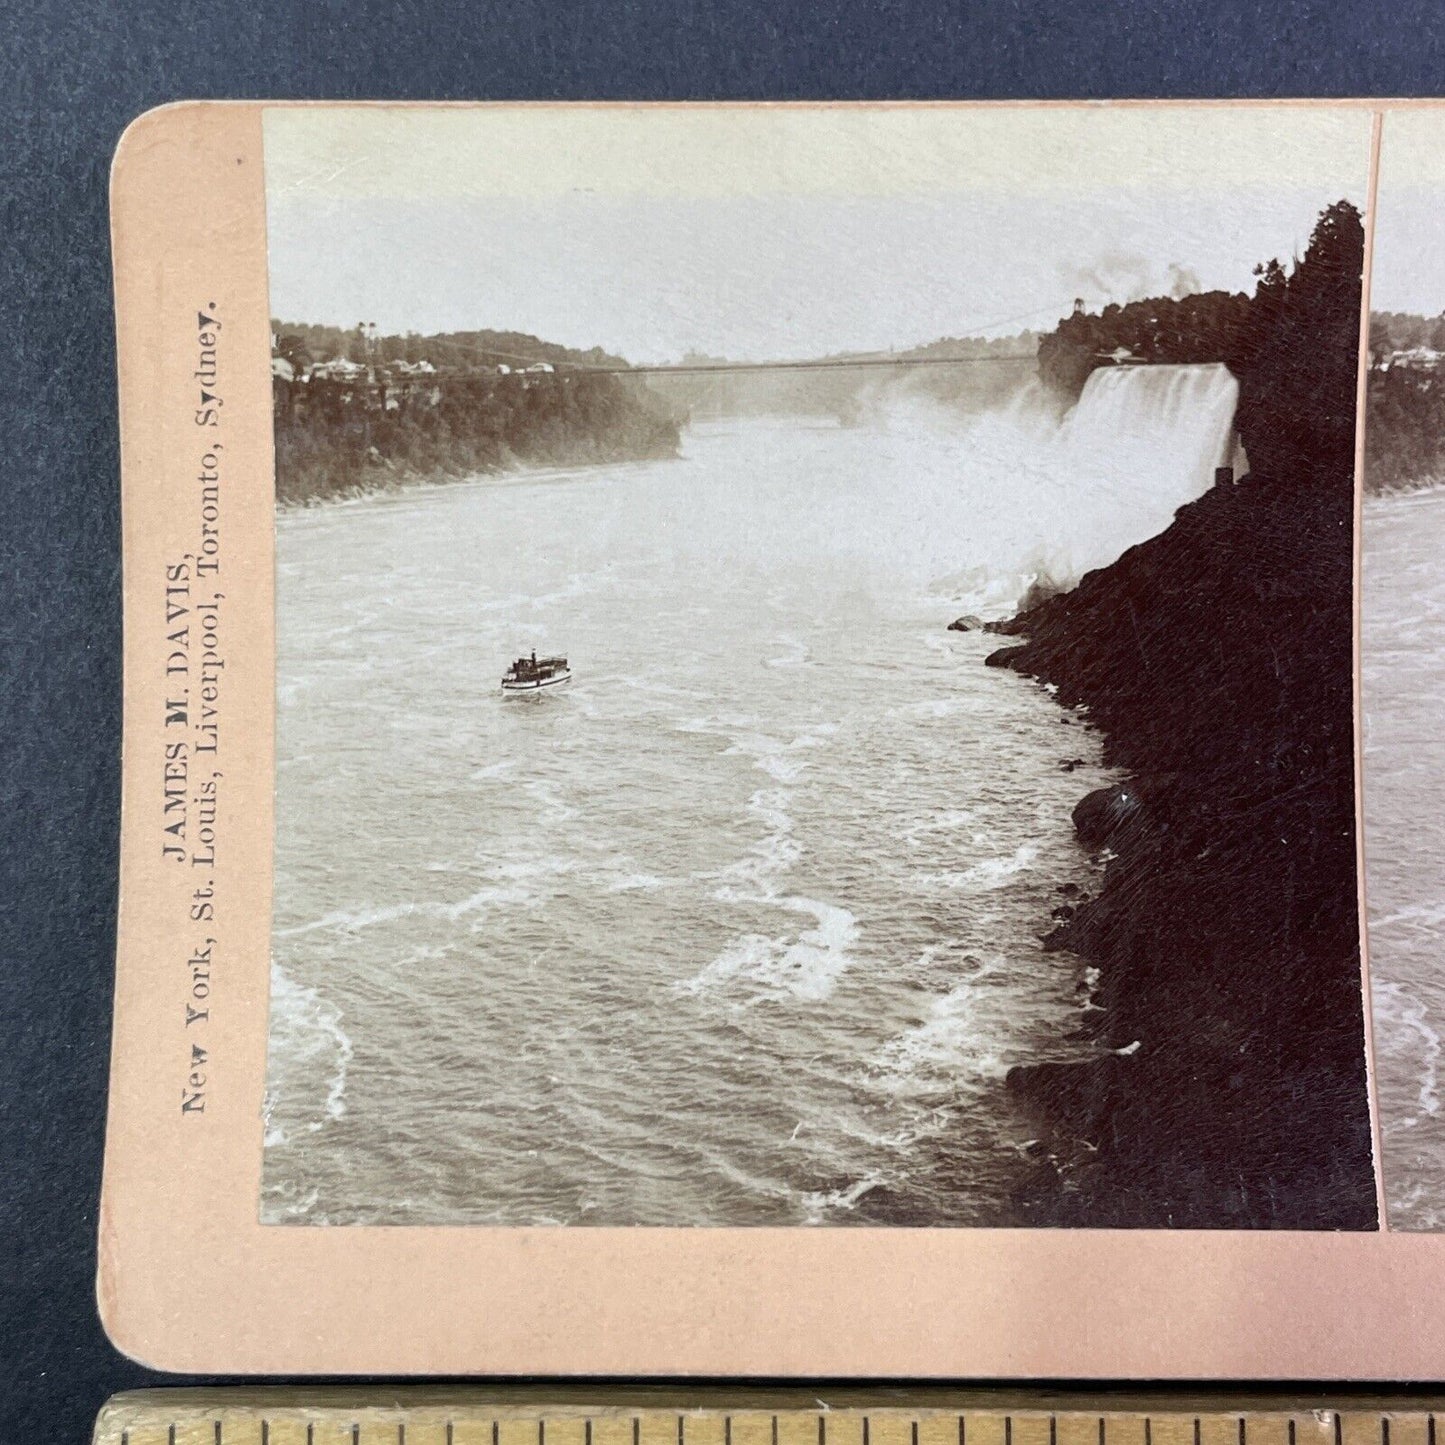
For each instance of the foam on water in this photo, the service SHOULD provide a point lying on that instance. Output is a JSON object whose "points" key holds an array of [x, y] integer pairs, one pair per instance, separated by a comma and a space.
{"points": [[512, 886], [807, 964], [956, 1043], [1404, 1020], [633, 881], [307, 1035], [347, 920], [986, 874], [804, 966], [1425, 918], [494, 770], [821, 1205]]}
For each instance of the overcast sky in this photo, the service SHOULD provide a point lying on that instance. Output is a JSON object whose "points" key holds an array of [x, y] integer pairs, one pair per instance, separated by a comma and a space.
{"points": [[1409, 262], [781, 232]]}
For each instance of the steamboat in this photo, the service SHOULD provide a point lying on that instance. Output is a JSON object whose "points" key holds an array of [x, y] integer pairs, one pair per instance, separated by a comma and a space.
{"points": [[532, 674]]}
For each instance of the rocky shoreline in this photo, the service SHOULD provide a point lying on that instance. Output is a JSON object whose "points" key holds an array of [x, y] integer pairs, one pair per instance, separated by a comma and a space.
{"points": [[1229, 1087]]}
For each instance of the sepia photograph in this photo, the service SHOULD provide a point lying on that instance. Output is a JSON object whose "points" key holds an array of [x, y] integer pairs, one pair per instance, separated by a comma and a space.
{"points": [[1403, 663], [814, 668]]}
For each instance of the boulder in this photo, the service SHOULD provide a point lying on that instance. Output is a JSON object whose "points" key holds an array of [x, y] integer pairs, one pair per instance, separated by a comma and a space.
{"points": [[1100, 814]]}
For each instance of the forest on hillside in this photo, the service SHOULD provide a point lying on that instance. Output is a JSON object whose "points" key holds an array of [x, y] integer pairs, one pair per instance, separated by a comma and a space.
{"points": [[1404, 430], [446, 350], [1392, 331], [377, 430], [1405, 403]]}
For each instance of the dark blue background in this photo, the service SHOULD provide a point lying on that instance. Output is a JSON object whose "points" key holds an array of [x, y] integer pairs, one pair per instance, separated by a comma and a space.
{"points": [[71, 76]]}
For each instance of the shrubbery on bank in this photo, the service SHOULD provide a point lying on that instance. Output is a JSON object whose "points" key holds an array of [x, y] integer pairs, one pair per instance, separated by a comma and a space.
{"points": [[338, 438]]}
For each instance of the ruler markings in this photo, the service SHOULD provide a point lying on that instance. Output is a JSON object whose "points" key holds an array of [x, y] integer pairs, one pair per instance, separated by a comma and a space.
{"points": [[173, 1421]]}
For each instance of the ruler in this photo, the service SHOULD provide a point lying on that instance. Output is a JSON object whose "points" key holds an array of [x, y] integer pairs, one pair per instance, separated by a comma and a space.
{"points": [[428, 1415]]}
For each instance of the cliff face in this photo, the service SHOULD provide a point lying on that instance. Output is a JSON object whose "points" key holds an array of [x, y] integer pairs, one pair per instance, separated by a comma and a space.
{"points": [[1216, 658]]}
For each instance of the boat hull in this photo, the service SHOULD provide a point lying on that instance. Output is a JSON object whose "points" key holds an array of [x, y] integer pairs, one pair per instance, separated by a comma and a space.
{"points": [[536, 685]]}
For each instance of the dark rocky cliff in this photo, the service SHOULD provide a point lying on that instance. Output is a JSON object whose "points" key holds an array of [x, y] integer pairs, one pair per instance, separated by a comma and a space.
{"points": [[1216, 658]]}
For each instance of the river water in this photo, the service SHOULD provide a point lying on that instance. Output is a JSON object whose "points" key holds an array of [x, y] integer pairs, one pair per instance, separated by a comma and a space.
{"points": [[741, 927], [1404, 752]]}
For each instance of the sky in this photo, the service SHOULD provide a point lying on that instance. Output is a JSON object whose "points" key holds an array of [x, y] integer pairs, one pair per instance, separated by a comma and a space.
{"points": [[776, 232], [1409, 260]]}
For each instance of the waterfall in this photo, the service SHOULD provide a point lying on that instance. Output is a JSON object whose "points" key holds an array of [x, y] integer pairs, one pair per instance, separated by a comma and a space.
{"points": [[1156, 432], [1052, 497]]}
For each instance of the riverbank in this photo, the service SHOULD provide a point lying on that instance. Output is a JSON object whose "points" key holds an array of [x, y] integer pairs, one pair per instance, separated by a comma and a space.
{"points": [[1229, 1086], [336, 440]]}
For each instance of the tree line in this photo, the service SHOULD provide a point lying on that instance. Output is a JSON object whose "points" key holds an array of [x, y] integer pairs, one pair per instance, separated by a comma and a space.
{"points": [[338, 437], [1405, 404]]}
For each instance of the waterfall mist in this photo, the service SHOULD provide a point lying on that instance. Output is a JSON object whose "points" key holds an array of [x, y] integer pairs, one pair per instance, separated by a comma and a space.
{"points": [[1050, 495]]}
